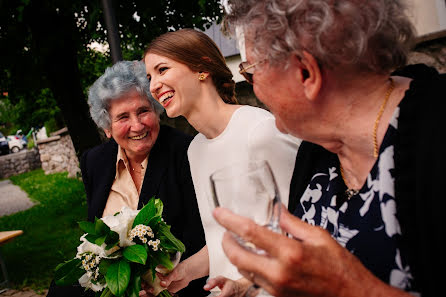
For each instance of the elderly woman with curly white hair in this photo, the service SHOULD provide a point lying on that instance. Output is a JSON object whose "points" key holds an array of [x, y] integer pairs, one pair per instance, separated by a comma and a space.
{"points": [[367, 193], [142, 159]]}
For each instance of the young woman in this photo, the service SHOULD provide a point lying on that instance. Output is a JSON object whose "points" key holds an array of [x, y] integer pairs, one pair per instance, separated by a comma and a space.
{"points": [[189, 77]]}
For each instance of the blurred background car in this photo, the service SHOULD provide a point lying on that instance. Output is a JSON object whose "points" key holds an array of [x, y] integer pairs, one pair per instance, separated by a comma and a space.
{"points": [[4, 146], [15, 143]]}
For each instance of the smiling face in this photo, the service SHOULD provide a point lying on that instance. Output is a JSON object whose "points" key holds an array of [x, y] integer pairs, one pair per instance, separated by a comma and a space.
{"points": [[173, 84], [134, 125]]}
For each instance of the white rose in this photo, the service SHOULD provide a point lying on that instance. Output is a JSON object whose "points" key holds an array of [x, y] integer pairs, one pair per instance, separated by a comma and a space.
{"points": [[85, 281], [122, 224], [87, 246]]}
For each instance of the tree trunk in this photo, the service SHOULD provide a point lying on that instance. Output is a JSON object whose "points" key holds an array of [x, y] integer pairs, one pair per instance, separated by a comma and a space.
{"points": [[54, 43]]}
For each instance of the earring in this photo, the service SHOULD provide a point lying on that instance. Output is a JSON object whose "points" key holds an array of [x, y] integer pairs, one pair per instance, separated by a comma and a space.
{"points": [[202, 76]]}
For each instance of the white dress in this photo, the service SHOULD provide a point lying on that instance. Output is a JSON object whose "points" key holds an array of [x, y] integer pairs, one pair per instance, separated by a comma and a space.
{"points": [[250, 134]]}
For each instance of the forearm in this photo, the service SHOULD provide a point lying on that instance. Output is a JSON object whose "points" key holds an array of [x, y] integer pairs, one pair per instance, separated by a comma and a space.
{"points": [[198, 264]]}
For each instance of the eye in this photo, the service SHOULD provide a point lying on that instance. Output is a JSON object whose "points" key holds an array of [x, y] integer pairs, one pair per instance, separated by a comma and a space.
{"points": [[149, 77], [162, 69], [121, 117], [144, 110]]}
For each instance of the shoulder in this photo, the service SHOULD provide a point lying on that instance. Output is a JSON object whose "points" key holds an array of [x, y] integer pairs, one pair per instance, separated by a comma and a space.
{"points": [[100, 152], [171, 142], [172, 137], [252, 112]]}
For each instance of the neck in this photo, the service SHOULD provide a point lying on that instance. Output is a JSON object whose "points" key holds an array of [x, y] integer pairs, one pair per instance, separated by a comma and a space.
{"points": [[350, 111], [210, 114], [347, 112], [136, 160]]}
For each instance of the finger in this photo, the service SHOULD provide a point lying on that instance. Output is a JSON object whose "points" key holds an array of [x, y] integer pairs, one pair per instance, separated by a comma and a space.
{"points": [[256, 280], [175, 287], [166, 280], [298, 228], [245, 259], [260, 236], [214, 282]]}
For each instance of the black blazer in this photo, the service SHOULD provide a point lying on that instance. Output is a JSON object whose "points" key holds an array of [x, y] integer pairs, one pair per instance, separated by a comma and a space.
{"points": [[167, 177]]}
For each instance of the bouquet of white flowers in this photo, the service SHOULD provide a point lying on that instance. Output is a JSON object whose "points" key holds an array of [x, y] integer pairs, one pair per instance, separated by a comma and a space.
{"points": [[118, 251]]}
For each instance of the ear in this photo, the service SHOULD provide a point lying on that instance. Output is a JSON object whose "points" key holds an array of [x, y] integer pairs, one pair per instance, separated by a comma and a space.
{"points": [[311, 76], [107, 133]]}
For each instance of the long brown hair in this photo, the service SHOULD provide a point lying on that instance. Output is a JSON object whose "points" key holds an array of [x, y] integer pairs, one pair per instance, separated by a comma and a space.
{"points": [[198, 52]]}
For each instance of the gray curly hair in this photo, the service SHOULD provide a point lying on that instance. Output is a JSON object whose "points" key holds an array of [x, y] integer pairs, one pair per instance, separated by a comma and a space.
{"points": [[369, 35], [118, 80]]}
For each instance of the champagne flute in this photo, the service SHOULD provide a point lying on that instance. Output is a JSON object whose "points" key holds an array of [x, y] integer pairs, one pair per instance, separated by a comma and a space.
{"points": [[248, 189]]}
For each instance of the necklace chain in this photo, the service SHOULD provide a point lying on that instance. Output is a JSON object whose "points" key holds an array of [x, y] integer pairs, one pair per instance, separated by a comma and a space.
{"points": [[350, 192], [378, 117]]}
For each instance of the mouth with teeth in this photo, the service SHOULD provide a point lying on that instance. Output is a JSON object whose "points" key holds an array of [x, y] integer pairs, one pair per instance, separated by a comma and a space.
{"points": [[165, 98], [138, 137]]}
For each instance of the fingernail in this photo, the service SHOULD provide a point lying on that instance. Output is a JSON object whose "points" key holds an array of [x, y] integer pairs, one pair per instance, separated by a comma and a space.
{"points": [[163, 283], [206, 287]]}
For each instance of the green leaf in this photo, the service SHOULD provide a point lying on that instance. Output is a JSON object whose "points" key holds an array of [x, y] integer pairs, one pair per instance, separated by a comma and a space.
{"points": [[104, 265], [101, 228], [146, 213], [134, 286], [118, 277], [162, 258], [170, 238], [91, 238], [87, 227], [100, 240], [159, 207], [112, 238], [68, 273], [135, 253]]}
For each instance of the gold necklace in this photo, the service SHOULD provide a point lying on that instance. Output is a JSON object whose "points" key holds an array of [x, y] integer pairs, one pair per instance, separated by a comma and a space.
{"points": [[350, 192], [378, 117]]}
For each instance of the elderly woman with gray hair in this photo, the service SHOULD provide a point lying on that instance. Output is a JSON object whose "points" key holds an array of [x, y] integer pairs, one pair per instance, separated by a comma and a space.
{"points": [[142, 160], [367, 190]]}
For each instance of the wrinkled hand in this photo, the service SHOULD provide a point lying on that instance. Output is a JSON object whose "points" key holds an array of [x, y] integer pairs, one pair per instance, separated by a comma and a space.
{"points": [[228, 287], [313, 265]]}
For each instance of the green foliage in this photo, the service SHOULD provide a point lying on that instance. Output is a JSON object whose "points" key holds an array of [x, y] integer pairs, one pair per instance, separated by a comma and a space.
{"points": [[68, 272], [25, 112], [122, 268], [49, 228], [118, 277], [135, 253]]}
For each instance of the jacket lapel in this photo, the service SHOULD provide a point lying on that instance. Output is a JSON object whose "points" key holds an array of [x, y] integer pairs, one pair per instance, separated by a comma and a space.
{"points": [[156, 167]]}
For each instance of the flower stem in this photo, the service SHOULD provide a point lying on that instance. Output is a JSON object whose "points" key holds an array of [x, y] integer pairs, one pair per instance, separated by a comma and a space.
{"points": [[106, 293], [164, 293]]}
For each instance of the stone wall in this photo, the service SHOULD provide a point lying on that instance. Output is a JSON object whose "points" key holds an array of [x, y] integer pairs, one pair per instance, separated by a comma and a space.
{"points": [[57, 154], [20, 162]]}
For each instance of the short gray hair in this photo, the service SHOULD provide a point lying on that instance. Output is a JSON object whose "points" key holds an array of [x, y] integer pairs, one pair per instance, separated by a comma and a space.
{"points": [[118, 80], [372, 36]]}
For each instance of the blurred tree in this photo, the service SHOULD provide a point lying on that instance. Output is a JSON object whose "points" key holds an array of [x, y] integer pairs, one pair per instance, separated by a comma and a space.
{"points": [[44, 45]]}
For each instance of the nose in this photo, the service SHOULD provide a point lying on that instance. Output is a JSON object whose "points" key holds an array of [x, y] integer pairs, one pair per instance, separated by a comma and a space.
{"points": [[155, 86], [136, 124]]}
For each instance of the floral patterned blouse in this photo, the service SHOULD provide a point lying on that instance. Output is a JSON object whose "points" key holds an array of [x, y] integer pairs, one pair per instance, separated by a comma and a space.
{"points": [[366, 224]]}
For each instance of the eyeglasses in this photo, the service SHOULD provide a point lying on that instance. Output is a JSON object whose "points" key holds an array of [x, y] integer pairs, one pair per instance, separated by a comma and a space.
{"points": [[248, 70]]}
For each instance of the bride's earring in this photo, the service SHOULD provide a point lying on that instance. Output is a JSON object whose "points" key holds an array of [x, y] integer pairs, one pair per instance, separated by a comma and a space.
{"points": [[202, 76]]}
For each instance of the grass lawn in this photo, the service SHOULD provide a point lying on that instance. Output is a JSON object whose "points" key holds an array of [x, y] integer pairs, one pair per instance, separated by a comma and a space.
{"points": [[50, 230]]}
